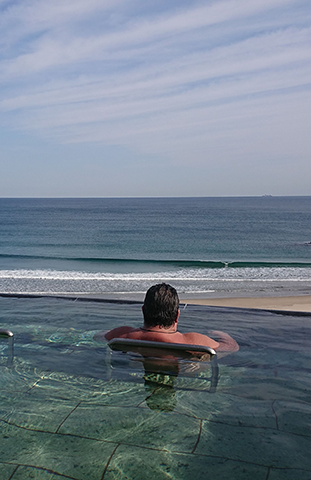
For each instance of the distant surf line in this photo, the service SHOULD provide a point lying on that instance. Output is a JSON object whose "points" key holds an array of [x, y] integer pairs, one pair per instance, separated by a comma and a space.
{"points": [[185, 263]]}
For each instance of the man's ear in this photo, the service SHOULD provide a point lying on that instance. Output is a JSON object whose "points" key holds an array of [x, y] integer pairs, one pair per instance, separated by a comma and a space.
{"points": [[176, 321]]}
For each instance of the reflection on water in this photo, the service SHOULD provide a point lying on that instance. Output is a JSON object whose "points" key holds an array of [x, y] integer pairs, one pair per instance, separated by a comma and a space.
{"points": [[161, 398], [69, 407], [164, 374]]}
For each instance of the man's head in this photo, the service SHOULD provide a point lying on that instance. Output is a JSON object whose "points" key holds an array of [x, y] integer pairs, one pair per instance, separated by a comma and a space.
{"points": [[161, 306]]}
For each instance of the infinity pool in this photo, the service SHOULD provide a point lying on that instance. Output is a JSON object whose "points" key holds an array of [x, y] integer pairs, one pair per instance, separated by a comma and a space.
{"points": [[69, 408]]}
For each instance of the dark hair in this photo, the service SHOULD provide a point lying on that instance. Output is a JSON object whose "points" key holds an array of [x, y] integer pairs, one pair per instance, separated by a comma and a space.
{"points": [[161, 306]]}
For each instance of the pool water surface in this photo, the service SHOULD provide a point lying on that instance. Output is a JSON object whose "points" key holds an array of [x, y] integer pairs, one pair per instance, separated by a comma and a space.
{"points": [[70, 408]]}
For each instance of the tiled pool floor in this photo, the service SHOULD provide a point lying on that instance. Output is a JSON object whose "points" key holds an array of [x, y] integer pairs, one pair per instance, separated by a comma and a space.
{"points": [[64, 414], [61, 426]]}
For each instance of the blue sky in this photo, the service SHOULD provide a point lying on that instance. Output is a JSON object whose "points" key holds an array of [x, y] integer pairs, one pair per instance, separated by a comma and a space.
{"points": [[155, 98]]}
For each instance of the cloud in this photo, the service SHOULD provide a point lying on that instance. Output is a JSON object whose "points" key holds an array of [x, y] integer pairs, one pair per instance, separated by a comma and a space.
{"points": [[46, 44], [166, 79]]}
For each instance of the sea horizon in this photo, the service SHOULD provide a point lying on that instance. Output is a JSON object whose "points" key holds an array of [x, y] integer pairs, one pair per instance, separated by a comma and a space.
{"points": [[204, 246]]}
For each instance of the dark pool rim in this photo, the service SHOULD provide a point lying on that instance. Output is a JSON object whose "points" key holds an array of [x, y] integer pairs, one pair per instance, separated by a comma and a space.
{"points": [[119, 301]]}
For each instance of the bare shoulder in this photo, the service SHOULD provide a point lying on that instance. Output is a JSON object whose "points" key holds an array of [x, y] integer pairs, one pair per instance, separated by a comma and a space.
{"points": [[225, 341], [194, 338], [115, 333]]}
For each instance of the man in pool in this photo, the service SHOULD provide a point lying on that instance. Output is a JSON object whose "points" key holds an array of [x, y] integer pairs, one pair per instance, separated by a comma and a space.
{"points": [[161, 314]]}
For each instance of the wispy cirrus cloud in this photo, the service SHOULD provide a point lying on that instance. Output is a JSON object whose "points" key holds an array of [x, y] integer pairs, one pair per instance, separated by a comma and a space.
{"points": [[159, 77]]}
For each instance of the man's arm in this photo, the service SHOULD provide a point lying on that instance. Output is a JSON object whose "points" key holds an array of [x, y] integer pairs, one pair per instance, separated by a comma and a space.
{"points": [[226, 343], [110, 334]]}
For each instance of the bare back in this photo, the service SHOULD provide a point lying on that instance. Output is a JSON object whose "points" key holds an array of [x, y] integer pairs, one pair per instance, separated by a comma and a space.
{"points": [[191, 338], [225, 342]]}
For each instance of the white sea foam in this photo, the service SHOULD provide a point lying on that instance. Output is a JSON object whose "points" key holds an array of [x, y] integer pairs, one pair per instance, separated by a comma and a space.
{"points": [[201, 280], [235, 274]]}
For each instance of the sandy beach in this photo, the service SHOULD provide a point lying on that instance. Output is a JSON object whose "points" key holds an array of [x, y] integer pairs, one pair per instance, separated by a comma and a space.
{"points": [[291, 303], [300, 303]]}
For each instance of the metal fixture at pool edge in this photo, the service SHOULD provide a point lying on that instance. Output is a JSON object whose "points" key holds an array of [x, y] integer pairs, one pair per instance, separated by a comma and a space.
{"points": [[8, 335], [151, 352]]}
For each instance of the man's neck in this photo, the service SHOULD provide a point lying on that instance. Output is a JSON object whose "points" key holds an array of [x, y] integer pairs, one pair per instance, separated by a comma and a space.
{"points": [[157, 329]]}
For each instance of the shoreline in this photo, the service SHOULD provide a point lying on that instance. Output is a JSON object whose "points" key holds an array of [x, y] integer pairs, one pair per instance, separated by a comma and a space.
{"points": [[290, 303]]}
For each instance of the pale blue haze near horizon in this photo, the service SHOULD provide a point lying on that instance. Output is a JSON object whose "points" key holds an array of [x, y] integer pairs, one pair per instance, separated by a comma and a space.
{"points": [[115, 98]]}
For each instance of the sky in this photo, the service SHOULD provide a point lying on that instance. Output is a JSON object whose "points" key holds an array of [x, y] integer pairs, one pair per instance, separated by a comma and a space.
{"points": [[104, 98]]}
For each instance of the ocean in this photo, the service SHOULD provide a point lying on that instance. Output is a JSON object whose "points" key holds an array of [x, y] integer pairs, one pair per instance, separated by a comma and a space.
{"points": [[116, 247]]}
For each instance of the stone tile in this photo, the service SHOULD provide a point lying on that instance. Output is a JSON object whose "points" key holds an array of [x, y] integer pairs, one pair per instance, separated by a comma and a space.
{"points": [[24, 473], [140, 464], [246, 412], [256, 445], [30, 412], [68, 387], [134, 426], [265, 389], [296, 383], [160, 398], [294, 417], [18, 379], [90, 390], [269, 384], [6, 471], [226, 408], [201, 404], [289, 474], [79, 458], [123, 393], [198, 380]]}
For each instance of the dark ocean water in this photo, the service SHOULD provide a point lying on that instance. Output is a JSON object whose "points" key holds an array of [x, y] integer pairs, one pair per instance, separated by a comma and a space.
{"points": [[223, 246]]}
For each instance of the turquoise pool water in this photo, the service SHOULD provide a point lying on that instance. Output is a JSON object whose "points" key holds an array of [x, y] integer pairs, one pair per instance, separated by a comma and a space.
{"points": [[68, 409]]}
